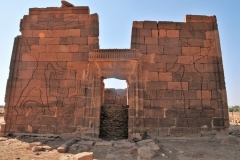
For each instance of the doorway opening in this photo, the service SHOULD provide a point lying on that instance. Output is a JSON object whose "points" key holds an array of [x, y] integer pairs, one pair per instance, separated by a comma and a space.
{"points": [[114, 110]]}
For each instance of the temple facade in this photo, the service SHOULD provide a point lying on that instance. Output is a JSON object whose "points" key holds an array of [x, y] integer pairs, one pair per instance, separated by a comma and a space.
{"points": [[173, 70]]}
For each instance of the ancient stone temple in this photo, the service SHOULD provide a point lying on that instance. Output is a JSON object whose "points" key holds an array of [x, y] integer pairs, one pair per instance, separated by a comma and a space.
{"points": [[174, 73]]}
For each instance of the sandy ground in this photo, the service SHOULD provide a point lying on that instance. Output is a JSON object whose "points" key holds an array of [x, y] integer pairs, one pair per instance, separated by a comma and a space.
{"points": [[203, 148]]}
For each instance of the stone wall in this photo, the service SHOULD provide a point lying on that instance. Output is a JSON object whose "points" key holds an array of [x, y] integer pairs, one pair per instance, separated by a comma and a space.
{"points": [[47, 86], [115, 97], [114, 122], [184, 88], [174, 73]]}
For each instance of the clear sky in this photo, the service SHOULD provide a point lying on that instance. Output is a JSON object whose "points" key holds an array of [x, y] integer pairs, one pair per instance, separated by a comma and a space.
{"points": [[115, 18]]}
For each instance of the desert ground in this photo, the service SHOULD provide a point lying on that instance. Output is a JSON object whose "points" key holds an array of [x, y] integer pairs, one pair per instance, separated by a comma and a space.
{"points": [[16, 147]]}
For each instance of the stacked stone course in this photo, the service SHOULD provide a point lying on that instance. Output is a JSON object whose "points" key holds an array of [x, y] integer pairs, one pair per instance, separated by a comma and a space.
{"points": [[174, 73], [184, 89], [46, 90]]}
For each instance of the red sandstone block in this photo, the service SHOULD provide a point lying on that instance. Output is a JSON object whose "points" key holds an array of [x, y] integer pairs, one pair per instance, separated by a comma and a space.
{"points": [[165, 76], [46, 18], [150, 94], [193, 34], [80, 40], [167, 41], [206, 103], [75, 25], [181, 122], [84, 48], [142, 48], [25, 74], [196, 42], [151, 122], [167, 25], [153, 76], [166, 122], [74, 33], [155, 33], [72, 48], [60, 33], [64, 56], [48, 41], [172, 50], [30, 57], [177, 85], [80, 10], [190, 51], [137, 24], [194, 113], [27, 33], [208, 51], [156, 85], [138, 40], [148, 113], [149, 58], [38, 48], [150, 24], [208, 112], [154, 48], [43, 33], [185, 59], [154, 66], [209, 67], [30, 18], [162, 33], [210, 35], [195, 104], [93, 40], [200, 59], [190, 94], [172, 33], [166, 58], [62, 48], [145, 32], [55, 48], [48, 57], [71, 17], [66, 40], [33, 11], [85, 17], [193, 18], [203, 94]]}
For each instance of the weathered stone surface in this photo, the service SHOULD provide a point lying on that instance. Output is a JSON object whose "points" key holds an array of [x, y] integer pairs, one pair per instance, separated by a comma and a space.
{"points": [[173, 70], [83, 156], [146, 152]]}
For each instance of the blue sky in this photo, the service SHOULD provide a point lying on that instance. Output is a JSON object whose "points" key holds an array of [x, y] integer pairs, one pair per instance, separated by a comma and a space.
{"points": [[115, 18]]}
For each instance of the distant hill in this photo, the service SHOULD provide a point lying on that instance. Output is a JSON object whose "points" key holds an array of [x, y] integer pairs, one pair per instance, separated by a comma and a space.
{"points": [[1, 106]]}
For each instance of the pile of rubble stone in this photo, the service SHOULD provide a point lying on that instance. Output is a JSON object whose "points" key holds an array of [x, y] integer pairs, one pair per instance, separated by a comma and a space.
{"points": [[84, 149]]}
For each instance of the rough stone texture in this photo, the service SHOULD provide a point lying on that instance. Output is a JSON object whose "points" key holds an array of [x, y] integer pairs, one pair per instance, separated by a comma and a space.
{"points": [[83, 156], [174, 73], [114, 122]]}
